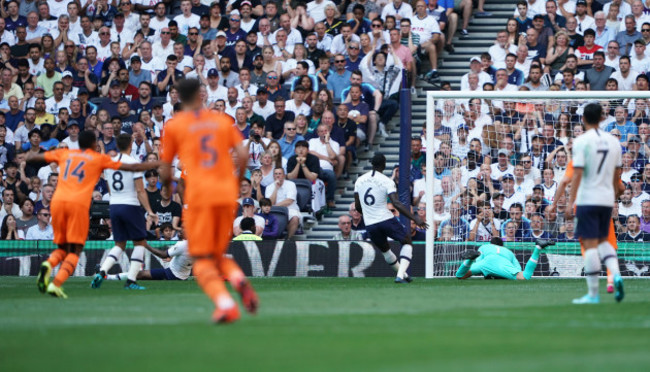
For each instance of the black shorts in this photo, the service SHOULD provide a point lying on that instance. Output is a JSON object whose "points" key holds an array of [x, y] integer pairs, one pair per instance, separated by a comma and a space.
{"points": [[381, 231], [128, 222], [163, 274], [592, 221]]}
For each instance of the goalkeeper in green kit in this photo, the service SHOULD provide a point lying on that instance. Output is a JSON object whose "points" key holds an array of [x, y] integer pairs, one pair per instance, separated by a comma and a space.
{"points": [[495, 261]]}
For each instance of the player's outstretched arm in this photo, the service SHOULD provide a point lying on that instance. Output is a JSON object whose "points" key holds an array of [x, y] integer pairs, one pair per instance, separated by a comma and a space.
{"points": [[140, 167], [405, 211], [157, 252], [35, 158], [575, 183]]}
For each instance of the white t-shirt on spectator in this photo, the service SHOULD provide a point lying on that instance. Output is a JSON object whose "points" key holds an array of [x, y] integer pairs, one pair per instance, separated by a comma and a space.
{"points": [[286, 191], [184, 23], [625, 83], [316, 145], [483, 77], [265, 111], [498, 173], [516, 197], [317, 11], [35, 233], [405, 10], [220, 93], [425, 27], [303, 109]]}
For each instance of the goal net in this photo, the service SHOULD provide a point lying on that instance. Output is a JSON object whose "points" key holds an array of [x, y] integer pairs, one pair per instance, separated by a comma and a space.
{"points": [[494, 163]]}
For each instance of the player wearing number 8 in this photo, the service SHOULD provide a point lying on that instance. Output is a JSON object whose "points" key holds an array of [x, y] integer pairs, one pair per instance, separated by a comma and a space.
{"points": [[71, 204], [127, 215], [596, 163], [370, 194]]}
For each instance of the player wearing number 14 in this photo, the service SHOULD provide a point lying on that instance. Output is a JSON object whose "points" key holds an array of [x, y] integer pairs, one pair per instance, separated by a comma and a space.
{"points": [[71, 205]]}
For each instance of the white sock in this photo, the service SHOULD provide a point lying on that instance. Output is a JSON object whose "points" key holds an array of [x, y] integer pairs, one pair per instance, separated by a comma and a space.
{"points": [[225, 302], [137, 260], [405, 256], [120, 276], [608, 257], [592, 270], [113, 256], [391, 260]]}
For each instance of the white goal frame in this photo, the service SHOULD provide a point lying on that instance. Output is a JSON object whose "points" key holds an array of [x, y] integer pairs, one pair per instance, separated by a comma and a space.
{"points": [[431, 98]]}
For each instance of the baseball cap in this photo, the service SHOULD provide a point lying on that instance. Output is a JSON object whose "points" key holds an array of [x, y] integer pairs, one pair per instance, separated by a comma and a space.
{"points": [[136, 59], [262, 90], [245, 2], [472, 153], [72, 122], [248, 201], [462, 126], [114, 83], [640, 41], [538, 16], [213, 72], [66, 73], [503, 152], [119, 15], [581, 2], [634, 138], [475, 58], [258, 55], [82, 90], [39, 87], [636, 177], [538, 187], [235, 12], [507, 176], [221, 33]]}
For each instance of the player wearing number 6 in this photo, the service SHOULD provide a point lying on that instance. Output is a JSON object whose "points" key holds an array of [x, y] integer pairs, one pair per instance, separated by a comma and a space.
{"points": [[71, 205], [205, 142], [596, 163], [127, 216], [370, 194]]}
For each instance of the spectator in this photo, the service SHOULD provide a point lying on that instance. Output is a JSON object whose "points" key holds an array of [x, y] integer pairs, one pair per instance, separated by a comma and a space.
{"points": [[276, 123], [568, 232], [460, 226], [346, 232], [270, 221], [627, 37], [42, 230], [248, 211], [484, 227], [596, 76], [8, 205], [27, 218], [167, 210], [633, 233], [624, 126], [604, 34], [522, 225], [644, 220], [327, 152], [537, 228], [282, 193], [340, 78]]}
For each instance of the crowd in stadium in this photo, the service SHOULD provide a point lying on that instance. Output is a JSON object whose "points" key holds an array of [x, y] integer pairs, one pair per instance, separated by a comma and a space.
{"points": [[310, 85]]}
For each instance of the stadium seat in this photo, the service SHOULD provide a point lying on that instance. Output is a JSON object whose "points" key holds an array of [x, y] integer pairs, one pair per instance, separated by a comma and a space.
{"points": [[303, 186], [282, 214]]}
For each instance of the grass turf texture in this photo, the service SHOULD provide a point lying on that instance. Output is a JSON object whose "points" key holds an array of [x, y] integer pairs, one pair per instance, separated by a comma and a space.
{"points": [[322, 324]]}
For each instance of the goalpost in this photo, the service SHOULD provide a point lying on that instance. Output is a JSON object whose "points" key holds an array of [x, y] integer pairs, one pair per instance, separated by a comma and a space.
{"points": [[536, 108]]}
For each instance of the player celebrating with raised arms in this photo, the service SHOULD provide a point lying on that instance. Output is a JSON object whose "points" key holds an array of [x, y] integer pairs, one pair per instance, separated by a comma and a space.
{"points": [[596, 176], [370, 193], [70, 205], [127, 215], [206, 142], [494, 261]]}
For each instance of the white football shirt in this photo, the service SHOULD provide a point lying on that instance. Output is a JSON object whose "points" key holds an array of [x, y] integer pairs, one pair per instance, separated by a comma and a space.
{"points": [[373, 189], [599, 154], [181, 263], [122, 183]]}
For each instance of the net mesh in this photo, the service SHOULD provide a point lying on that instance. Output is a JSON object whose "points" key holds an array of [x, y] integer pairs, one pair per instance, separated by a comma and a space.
{"points": [[498, 164]]}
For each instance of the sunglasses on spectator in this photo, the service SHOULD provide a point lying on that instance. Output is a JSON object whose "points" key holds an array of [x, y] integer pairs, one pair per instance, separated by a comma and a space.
{"points": [[272, 77], [104, 33], [352, 47], [235, 19], [165, 32], [376, 25], [645, 29], [45, 214], [193, 33], [339, 61]]}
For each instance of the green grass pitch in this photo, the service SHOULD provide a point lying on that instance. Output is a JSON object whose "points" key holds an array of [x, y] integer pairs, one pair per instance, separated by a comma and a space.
{"points": [[333, 324]]}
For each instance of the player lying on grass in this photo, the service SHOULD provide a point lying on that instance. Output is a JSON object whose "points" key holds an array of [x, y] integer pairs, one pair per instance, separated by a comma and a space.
{"points": [[180, 266], [495, 261]]}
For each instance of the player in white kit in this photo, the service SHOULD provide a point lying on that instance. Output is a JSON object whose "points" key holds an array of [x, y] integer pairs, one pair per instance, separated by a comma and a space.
{"points": [[179, 268], [596, 163], [128, 198], [370, 193]]}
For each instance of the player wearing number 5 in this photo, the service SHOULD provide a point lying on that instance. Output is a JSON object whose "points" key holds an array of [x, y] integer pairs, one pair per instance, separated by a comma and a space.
{"points": [[596, 163], [205, 142], [370, 194], [128, 198], [70, 205]]}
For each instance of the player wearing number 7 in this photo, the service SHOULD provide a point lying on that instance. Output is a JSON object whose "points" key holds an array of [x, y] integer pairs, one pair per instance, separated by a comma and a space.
{"points": [[596, 163], [70, 205], [370, 194]]}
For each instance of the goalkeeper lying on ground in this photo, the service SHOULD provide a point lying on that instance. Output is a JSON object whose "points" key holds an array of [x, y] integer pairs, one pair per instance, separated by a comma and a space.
{"points": [[497, 262]]}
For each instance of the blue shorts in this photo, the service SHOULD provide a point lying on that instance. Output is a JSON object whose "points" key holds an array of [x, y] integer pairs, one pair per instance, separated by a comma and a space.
{"points": [[163, 274], [381, 231], [128, 222], [592, 221]]}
